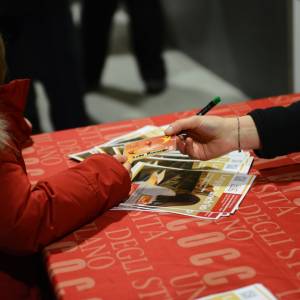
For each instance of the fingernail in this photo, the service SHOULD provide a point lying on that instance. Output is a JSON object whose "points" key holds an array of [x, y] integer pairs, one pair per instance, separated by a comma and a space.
{"points": [[169, 130]]}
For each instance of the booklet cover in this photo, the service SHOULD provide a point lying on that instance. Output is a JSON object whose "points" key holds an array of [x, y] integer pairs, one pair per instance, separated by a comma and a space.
{"points": [[199, 193]]}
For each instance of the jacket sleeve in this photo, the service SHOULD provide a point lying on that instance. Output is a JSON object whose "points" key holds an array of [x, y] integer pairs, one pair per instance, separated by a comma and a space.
{"points": [[32, 217], [278, 130]]}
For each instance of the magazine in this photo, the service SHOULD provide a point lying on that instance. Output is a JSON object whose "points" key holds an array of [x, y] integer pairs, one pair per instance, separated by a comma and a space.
{"points": [[167, 181], [199, 193]]}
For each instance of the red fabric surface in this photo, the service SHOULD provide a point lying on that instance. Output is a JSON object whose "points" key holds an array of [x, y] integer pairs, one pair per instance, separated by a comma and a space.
{"points": [[140, 255]]}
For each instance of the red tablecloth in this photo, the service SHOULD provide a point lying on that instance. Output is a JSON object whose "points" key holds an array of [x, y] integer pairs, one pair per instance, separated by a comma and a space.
{"points": [[141, 255]]}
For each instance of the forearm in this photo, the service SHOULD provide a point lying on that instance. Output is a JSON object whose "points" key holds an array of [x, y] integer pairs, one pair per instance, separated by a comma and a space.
{"points": [[58, 205], [249, 138]]}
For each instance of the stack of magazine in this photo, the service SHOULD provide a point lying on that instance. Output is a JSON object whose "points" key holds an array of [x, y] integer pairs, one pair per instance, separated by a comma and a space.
{"points": [[171, 182]]}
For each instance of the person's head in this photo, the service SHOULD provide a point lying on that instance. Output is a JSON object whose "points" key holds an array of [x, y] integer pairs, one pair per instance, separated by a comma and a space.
{"points": [[2, 61]]}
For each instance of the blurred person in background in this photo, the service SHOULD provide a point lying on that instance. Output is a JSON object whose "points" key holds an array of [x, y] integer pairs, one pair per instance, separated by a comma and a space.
{"points": [[146, 26], [41, 44]]}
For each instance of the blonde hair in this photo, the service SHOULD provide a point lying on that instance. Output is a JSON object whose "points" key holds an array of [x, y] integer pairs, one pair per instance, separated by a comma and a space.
{"points": [[3, 125]]}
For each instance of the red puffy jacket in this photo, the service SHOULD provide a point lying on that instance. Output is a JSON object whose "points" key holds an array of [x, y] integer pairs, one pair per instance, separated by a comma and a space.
{"points": [[34, 216]]}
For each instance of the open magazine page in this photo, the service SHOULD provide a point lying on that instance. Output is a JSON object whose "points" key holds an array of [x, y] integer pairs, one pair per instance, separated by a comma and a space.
{"points": [[139, 134], [192, 192], [110, 150], [232, 162], [118, 143], [81, 156]]}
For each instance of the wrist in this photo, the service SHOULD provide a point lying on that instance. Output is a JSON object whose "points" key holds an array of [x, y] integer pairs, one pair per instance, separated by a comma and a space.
{"points": [[242, 134], [249, 138]]}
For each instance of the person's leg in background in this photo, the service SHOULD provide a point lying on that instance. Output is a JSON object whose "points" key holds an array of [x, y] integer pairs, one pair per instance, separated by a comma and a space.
{"points": [[96, 21], [43, 48], [146, 24], [60, 72]]}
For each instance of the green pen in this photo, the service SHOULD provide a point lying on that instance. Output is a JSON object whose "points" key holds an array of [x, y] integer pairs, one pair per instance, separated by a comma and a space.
{"points": [[209, 106]]}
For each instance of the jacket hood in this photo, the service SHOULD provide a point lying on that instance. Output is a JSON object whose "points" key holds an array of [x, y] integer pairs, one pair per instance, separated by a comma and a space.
{"points": [[13, 97]]}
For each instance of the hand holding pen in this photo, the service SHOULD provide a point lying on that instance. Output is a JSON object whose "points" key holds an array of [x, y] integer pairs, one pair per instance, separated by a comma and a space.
{"points": [[203, 111], [205, 137]]}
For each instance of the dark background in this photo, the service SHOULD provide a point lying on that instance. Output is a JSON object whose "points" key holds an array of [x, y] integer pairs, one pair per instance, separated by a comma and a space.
{"points": [[244, 42]]}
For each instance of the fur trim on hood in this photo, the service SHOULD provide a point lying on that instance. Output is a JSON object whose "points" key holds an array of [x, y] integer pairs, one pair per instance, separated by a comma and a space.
{"points": [[3, 133]]}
